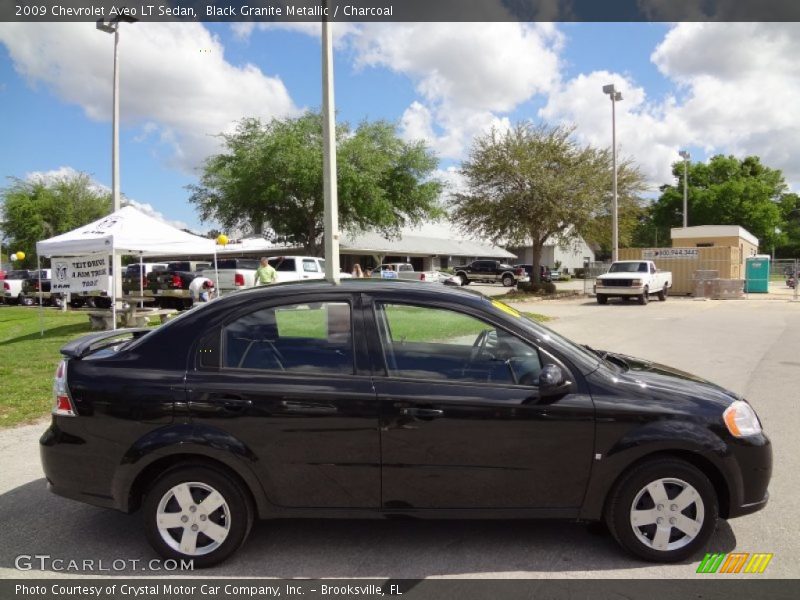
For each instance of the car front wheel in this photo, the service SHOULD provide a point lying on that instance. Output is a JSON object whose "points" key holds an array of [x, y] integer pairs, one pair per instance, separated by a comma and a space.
{"points": [[663, 510], [197, 513], [601, 299], [645, 296], [464, 279], [508, 280]]}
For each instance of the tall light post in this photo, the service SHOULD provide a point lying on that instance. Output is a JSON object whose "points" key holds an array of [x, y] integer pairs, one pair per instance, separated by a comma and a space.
{"points": [[615, 97], [685, 156], [329, 157], [112, 26]]}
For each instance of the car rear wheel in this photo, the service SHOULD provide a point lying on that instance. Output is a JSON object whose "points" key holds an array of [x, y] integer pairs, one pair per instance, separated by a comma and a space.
{"points": [[25, 300], [662, 295], [663, 510], [197, 513], [464, 279], [601, 299]]}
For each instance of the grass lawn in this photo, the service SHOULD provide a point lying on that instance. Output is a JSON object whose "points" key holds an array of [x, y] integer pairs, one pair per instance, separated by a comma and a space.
{"points": [[28, 360]]}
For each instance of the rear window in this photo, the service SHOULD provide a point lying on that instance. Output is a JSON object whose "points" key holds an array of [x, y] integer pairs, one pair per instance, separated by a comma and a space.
{"points": [[18, 275], [249, 264], [283, 264], [178, 266]]}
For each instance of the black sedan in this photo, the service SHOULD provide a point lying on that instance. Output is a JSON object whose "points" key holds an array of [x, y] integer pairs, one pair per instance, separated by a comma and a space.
{"points": [[379, 398]]}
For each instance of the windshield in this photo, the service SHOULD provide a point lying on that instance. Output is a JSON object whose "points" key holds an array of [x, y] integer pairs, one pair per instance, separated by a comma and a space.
{"points": [[564, 345], [628, 267]]}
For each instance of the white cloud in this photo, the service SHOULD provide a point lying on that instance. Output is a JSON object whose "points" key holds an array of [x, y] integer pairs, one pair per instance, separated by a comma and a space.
{"points": [[468, 75], [69, 173], [742, 87], [175, 81], [736, 86]]}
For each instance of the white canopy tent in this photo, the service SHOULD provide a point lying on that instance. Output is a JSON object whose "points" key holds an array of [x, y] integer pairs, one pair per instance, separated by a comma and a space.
{"points": [[126, 231]]}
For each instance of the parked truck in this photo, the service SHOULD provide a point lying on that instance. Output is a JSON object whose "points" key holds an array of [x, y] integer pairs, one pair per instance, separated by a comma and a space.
{"points": [[638, 279], [404, 271], [490, 271]]}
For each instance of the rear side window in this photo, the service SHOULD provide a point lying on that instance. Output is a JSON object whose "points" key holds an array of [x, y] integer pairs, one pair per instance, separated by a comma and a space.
{"points": [[283, 264], [295, 338], [310, 265]]}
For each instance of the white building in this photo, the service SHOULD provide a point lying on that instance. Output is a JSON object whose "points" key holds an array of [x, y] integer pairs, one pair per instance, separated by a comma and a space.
{"points": [[570, 256]]}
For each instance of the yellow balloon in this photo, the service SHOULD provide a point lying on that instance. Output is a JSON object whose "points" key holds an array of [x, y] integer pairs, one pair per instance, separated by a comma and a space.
{"points": [[222, 239], [20, 255]]}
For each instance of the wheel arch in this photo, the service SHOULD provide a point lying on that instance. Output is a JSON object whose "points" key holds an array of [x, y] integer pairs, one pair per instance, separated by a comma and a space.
{"points": [[148, 475], [703, 464]]}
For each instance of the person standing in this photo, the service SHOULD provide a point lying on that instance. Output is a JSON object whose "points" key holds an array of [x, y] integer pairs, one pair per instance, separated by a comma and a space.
{"points": [[357, 272], [265, 273]]}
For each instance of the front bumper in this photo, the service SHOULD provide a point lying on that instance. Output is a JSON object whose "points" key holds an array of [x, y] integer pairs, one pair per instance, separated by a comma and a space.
{"points": [[614, 290]]}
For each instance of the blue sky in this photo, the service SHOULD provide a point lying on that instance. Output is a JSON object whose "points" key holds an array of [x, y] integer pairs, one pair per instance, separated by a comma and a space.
{"points": [[707, 87]]}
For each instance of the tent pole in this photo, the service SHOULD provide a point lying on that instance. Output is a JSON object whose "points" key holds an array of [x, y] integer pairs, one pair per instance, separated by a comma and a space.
{"points": [[41, 306], [216, 275], [113, 290], [141, 280]]}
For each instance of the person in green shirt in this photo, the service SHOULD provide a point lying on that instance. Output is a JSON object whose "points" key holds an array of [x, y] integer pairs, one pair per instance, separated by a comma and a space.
{"points": [[265, 273]]}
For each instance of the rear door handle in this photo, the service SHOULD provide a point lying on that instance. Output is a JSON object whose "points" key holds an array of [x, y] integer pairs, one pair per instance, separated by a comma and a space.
{"points": [[422, 413], [308, 407]]}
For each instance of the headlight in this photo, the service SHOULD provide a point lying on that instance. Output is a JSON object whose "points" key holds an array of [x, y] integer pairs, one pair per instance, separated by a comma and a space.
{"points": [[636, 282], [741, 419]]}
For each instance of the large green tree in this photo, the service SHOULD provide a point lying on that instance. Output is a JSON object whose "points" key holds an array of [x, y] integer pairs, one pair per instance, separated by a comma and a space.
{"points": [[36, 209], [268, 180], [725, 191], [533, 183]]}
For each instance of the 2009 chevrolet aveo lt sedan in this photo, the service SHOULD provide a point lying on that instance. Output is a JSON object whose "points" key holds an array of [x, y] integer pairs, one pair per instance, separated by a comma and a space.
{"points": [[379, 398]]}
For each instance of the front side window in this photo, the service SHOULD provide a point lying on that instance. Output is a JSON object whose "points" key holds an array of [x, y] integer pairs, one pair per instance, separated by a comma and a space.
{"points": [[440, 344], [308, 338]]}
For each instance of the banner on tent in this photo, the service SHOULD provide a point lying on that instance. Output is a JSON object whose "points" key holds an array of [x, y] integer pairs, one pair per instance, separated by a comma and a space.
{"points": [[80, 273]]}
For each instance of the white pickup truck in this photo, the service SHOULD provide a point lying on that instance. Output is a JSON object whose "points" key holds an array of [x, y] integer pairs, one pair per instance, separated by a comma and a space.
{"points": [[404, 271], [633, 279]]}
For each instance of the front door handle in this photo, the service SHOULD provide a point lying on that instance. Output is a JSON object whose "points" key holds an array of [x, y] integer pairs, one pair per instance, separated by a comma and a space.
{"points": [[422, 413]]}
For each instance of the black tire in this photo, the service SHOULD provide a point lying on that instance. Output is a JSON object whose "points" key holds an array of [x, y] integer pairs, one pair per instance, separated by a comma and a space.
{"points": [[76, 303], [508, 280], [25, 300], [672, 476], [464, 279], [239, 515], [57, 302], [662, 295], [602, 299], [645, 297]]}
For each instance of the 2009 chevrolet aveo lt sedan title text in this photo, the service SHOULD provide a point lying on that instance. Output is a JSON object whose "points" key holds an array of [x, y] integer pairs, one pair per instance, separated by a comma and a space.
{"points": [[379, 398]]}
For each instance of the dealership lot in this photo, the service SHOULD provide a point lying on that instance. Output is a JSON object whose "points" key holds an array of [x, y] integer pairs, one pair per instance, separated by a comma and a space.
{"points": [[751, 347]]}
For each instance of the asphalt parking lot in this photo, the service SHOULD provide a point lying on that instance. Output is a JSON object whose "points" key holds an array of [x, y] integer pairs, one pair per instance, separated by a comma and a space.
{"points": [[750, 346]]}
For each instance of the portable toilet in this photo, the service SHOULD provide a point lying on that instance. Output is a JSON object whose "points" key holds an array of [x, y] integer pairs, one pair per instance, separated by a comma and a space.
{"points": [[757, 274]]}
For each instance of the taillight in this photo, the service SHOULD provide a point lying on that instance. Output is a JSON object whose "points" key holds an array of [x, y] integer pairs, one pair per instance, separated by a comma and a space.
{"points": [[238, 279], [6, 286], [176, 281], [519, 272], [63, 404]]}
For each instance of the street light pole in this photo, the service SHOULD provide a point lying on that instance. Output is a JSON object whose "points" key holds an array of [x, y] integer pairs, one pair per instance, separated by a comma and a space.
{"points": [[329, 158], [112, 26], [615, 97], [685, 156]]}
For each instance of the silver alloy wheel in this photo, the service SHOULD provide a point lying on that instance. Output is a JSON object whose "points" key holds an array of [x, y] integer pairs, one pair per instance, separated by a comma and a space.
{"points": [[193, 518], [667, 514]]}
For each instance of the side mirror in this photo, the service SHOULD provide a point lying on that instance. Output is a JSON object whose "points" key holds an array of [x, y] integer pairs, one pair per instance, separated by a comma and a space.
{"points": [[551, 376], [553, 382]]}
